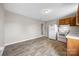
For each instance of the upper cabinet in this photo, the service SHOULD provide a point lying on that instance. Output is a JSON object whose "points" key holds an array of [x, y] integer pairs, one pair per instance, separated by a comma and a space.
{"points": [[68, 21], [72, 21], [77, 16], [61, 21]]}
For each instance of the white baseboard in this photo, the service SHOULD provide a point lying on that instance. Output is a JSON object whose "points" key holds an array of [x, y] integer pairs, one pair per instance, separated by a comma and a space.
{"points": [[25, 40], [1, 50]]}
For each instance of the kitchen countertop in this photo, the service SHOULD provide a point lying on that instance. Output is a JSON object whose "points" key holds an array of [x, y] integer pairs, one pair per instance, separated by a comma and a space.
{"points": [[73, 36]]}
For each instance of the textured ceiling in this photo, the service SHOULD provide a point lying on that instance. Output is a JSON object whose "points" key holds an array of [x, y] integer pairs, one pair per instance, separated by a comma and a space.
{"points": [[34, 10]]}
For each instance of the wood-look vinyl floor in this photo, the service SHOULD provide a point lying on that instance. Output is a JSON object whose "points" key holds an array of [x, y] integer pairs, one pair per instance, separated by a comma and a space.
{"points": [[37, 47]]}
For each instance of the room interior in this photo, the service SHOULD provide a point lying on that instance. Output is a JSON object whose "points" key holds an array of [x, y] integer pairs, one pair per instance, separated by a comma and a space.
{"points": [[39, 29]]}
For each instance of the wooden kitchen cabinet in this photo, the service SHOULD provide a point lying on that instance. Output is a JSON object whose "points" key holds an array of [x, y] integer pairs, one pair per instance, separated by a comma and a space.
{"points": [[68, 21], [73, 21], [72, 47], [61, 21]]}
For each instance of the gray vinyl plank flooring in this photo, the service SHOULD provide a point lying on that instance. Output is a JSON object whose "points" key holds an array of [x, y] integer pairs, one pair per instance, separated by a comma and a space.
{"points": [[42, 46]]}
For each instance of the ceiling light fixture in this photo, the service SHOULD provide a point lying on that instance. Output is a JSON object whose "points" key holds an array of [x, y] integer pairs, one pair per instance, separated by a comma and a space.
{"points": [[45, 11]]}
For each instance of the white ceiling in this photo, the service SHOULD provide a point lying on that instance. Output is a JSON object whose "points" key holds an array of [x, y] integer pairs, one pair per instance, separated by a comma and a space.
{"points": [[34, 10]]}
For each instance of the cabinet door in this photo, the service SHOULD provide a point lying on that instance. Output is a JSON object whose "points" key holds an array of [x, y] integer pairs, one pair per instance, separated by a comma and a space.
{"points": [[61, 22], [67, 21], [72, 47], [73, 21]]}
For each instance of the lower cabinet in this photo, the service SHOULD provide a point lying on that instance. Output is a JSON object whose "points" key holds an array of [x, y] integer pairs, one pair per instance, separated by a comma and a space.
{"points": [[72, 47]]}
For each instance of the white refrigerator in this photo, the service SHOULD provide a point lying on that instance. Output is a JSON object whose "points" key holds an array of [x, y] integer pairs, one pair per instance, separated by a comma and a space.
{"points": [[52, 31]]}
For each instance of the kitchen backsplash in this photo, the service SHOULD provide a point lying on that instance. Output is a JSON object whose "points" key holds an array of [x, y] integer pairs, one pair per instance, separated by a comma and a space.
{"points": [[74, 29]]}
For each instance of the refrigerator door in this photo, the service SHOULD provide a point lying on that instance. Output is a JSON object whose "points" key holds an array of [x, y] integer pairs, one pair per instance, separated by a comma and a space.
{"points": [[52, 31]]}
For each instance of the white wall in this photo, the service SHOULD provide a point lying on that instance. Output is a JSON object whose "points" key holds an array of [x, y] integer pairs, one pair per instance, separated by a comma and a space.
{"points": [[1, 29], [20, 28], [1, 26], [74, 29]]}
